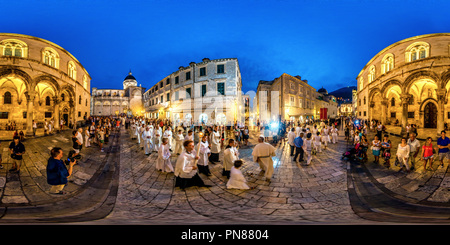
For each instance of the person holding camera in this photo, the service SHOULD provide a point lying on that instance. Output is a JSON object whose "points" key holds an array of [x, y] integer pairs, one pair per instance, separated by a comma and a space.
{"points": [[17, 149], [57, 172]]}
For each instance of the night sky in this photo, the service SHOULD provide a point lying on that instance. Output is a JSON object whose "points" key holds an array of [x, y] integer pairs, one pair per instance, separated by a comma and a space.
{"points": [[325, 42]]}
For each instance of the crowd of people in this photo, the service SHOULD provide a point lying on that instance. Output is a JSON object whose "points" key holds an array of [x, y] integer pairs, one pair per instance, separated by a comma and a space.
{"points": [[192, 149], [408, 150]]}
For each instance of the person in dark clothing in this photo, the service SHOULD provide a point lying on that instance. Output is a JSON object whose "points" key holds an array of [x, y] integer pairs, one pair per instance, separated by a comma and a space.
{"points": [[298, 142], [17, 149], [57, 172]]}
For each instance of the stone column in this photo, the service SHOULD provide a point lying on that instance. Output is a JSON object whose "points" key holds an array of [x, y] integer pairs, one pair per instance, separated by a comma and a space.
{"points": [[441, 100], [404, 100], [384, 103], [30, 108], [56, 118]]}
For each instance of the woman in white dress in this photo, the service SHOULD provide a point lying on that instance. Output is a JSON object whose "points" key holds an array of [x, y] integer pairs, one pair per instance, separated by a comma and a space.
{"points": [[403, 153]]}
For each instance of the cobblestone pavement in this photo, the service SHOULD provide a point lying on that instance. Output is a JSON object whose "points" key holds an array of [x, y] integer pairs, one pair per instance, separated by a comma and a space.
{"points": [[122, 186], [296, 194]]}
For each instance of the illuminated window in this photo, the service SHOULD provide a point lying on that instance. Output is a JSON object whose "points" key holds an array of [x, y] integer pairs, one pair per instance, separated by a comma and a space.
{"points": [[13, 47], [417, 50], [387, 64], [371, 75], [50, 57], [85, 83], [72, 70]]}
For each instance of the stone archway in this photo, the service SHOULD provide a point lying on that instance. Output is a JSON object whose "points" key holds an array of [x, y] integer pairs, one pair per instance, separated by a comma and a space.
{"points": [[430, 115]]}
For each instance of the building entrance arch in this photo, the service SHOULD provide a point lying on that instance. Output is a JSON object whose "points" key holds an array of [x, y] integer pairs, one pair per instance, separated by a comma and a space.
{"points": [[430, 115]]}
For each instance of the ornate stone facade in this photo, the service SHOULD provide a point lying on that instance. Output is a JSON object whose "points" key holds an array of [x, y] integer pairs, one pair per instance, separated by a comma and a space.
{"points": [[113, 102], [40, 80], [292, 99], [408, 83], [208, 91]]}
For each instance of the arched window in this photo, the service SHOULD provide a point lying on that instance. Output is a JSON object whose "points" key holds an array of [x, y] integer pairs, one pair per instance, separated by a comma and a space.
{"points": [[47, 100], [393, 101], [50, 57], [7, 98], [62, 97], [79, 100], [14, 47], [72, 70], [85, 83], [417, 50], [387, 64], [361, 83], [371, 75]]}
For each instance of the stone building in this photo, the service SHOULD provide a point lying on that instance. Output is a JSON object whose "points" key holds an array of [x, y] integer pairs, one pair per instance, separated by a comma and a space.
{"points": [[293, 99], [40, 80], [408, 83], [208, 92], [113, 102]]}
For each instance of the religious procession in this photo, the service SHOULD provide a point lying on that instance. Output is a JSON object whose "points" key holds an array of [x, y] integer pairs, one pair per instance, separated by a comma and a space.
{"points": [[189, 150]]}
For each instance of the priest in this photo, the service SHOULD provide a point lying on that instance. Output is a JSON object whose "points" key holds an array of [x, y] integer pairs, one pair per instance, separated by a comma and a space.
{"points": [[262, 154]]}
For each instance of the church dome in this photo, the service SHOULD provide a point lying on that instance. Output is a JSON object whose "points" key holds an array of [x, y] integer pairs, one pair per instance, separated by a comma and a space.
{"points": [[130, 80], [322, 91], [130, 77]]}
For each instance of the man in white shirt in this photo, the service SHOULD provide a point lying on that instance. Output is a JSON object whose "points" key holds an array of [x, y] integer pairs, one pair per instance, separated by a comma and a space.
{"points": [[291, 137], [414, 148]]}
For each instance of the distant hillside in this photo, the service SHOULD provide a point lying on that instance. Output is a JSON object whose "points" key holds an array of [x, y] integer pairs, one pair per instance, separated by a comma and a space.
{"points": [[345, 93]]}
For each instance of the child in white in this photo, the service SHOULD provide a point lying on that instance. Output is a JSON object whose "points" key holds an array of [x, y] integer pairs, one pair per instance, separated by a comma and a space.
{"points": [[163, 162], [237, 179], [317, 142]]}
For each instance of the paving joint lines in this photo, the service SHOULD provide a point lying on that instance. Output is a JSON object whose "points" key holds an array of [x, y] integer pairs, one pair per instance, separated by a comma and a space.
{"points": [[373, 201], [92, 201]]}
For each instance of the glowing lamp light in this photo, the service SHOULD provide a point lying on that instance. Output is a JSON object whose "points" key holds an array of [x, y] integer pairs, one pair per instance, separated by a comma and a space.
{"points": [[274, 125]]}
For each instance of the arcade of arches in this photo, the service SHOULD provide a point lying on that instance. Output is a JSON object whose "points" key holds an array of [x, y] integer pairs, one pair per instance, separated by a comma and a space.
{"points": [[24, 98], [420, 99]]}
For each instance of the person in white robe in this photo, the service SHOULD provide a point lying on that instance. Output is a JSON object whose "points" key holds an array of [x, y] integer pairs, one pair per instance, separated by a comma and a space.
{"points": [[202, 163], [157, 133], [334, 134], [230, 155], [317, 142], [189, 136], [138, 135], [237, 179], [324, 135], [168, 134], [163, 162], [186, 171], [307, 148], [262, 154], [141, 131], [215, 145], [147, 139], [179, 138], [87, 140]]}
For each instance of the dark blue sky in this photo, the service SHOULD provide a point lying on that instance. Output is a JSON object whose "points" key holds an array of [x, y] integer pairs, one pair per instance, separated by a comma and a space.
{"points": [[325, 42]]}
